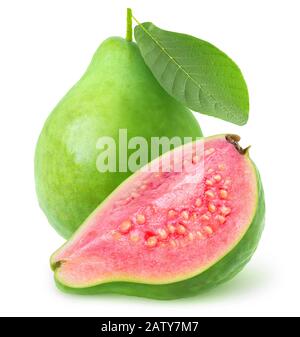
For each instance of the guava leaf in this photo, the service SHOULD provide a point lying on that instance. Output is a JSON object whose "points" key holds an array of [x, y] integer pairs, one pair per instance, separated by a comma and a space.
{"points": [[195, 72]]}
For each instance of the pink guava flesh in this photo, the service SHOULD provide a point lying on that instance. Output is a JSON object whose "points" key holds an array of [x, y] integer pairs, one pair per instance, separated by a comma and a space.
{"points": [[162, 227]]}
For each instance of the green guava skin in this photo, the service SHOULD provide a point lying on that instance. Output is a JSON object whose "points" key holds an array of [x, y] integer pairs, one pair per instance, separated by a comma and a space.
{"points": [[117, 91], [223, 270]]}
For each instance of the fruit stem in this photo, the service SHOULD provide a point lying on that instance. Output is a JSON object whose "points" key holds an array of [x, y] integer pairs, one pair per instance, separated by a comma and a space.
{"points": [[234, 140], [129, 25]]}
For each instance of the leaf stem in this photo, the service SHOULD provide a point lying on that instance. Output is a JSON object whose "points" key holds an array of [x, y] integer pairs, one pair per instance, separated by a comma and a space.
{"points": [[135, 19], [129, 25]]}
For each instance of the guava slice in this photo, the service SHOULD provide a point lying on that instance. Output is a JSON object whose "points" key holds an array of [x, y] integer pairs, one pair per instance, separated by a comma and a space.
{"points": [[173, 232]]}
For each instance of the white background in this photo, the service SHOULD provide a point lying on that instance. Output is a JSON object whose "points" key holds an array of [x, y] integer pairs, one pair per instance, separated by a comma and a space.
{"points": [[45, 46]]}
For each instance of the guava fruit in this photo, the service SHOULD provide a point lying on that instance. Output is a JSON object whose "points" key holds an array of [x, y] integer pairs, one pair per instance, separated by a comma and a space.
{"points": [[117, 91], [170, 234]]}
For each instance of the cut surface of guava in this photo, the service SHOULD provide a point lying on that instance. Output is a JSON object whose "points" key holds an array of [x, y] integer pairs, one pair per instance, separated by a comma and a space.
{"points": [[163, 228]]}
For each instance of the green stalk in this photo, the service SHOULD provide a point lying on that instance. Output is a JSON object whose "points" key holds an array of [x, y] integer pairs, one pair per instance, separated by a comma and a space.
{"points": [[129, 25]]}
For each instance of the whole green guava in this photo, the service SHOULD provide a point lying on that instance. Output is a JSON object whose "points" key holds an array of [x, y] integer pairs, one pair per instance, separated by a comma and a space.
{"points": [[117, 91]]}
